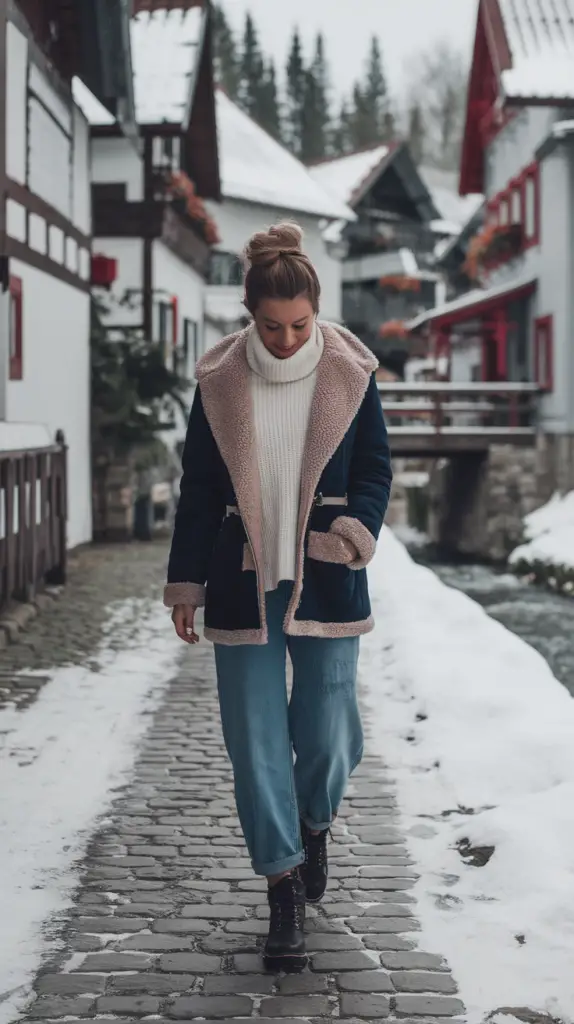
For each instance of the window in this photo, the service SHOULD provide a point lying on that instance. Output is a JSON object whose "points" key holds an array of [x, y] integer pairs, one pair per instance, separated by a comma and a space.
{"points": [[504, 210], [165, 323], [543, 352], [166, 152], [190, 355], [225, 269], [516, 204], [16, 361], [531, 205]]}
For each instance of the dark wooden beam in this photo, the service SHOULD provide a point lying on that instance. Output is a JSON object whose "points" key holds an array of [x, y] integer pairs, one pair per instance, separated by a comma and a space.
{"points": [[170, 5], [34, 204], [147, 269], [20, 251], [3, 74]]}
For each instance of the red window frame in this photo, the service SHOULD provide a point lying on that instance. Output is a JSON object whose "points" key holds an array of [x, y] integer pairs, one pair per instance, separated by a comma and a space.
{"points": [[16, 361], [516, 199], [531, 175], [544, 352], [507, 198], [493, 208]]}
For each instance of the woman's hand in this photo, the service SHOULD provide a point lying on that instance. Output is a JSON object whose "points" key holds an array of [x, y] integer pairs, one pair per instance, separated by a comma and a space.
{"points": [[183, 616]]}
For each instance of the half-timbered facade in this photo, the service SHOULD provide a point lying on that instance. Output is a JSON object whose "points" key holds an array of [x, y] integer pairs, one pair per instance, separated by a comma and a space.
{"points": [[516, 322], [152, 231], [389, 269], [46, 227]]}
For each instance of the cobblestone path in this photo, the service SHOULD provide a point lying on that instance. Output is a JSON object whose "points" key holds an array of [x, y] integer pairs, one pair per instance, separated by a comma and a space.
{"points": [[169, 920], [69, 629]]}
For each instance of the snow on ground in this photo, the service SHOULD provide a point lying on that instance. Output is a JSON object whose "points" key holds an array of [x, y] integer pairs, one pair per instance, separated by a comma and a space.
{"points": [[60, 762], [494, 738], [410, 536], [549, 534]]}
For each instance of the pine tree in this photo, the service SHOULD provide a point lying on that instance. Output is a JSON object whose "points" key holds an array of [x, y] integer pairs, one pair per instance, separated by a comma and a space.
{"points": [[375, 95], [360, 122], [340, 142], [416, 133], [252, 71], [267, 113], [297, 86], [321, 112], [226, 57]]}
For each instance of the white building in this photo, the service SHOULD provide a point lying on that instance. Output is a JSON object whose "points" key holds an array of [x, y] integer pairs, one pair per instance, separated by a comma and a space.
{"points": [[517, 323], [262, 183], [45, 234], [149, 222]]}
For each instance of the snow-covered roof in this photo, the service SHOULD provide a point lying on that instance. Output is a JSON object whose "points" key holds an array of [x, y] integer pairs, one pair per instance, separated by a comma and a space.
{"points": [[166, 46], [540, 36], [256, 168], [475, 297], [455, 210], [380, 264], [94, 111], [348, 176]]}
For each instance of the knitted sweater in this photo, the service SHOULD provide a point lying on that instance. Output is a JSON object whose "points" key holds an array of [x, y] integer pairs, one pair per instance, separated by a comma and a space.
{"points": [[282, 392]]}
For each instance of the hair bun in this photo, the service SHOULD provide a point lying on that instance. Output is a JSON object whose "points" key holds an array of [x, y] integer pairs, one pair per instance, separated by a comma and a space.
{"points": [[265, 247]]}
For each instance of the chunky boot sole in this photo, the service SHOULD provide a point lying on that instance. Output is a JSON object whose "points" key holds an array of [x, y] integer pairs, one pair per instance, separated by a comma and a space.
{"points": [[290, 964], [316, 899]]}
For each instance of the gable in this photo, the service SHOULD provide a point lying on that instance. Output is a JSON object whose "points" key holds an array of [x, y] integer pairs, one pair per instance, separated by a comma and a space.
{"points": [[383, 176], [523, 56]]}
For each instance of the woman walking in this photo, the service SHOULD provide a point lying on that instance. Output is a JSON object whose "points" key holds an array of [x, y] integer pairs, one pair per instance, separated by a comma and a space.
{"points": [[286, 481]]}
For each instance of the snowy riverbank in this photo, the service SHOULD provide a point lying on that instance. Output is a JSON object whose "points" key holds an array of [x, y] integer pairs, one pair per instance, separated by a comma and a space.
{"points": [[479, 734], [548, 551]]}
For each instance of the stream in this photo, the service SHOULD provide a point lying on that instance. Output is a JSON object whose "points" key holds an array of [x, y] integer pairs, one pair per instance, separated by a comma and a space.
{"points": [[543, 619]]}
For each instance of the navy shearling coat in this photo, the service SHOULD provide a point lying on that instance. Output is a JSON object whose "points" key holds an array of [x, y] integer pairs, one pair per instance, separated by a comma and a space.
{"points": [[216, 557]]}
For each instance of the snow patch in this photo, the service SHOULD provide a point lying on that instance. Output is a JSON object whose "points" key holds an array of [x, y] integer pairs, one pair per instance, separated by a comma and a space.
{"points": [[493, 763], [550, 535], [60, 762]]}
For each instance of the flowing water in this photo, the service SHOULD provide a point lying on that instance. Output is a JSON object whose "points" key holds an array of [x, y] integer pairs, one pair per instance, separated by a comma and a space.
{"points": [[541, 618]]}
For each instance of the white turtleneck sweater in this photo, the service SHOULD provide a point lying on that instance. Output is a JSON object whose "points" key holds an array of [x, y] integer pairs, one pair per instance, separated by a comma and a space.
{"points": [[282, 391]]}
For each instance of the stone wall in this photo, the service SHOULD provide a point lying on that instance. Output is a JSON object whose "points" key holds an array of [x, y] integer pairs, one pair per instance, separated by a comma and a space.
{"points": [[477, 502]]}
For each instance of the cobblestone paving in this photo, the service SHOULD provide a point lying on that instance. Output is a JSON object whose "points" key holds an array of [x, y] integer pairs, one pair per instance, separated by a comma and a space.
{"points": [[169, 920], [68, 630]]}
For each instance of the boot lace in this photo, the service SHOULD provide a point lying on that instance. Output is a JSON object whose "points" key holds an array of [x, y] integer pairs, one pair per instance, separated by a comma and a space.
{"points": [[286, 909], [316, 848]]}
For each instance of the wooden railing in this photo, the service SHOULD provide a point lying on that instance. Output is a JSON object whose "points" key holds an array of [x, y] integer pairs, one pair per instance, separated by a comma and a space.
{"points": [[501, 412], [33, 503]]}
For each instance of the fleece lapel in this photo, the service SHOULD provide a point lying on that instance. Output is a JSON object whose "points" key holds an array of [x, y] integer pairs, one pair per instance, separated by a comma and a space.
{"points": [[340, 389], [228, 405]]}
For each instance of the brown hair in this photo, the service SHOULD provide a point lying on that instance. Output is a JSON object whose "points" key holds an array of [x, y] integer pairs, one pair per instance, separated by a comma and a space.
{"points": [[277, 267]]}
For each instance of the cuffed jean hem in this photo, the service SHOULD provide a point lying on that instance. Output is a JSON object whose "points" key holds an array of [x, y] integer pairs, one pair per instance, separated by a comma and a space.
{"points": [[278, 866], [317, 826]]}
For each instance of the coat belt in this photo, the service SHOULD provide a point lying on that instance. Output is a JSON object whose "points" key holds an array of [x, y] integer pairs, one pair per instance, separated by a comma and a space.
{"points": [[318, 501]]}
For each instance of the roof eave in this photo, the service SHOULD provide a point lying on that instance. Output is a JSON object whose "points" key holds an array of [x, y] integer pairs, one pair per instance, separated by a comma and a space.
{"points": [[367, 183], [462, 313], [538, 101], [106, 66]]}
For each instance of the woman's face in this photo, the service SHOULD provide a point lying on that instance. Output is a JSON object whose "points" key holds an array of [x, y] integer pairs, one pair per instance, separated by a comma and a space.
{"points": [[284, 325]]}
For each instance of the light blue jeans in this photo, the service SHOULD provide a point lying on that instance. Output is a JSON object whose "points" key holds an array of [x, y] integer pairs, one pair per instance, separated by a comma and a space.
{"points": [[263, 730]]}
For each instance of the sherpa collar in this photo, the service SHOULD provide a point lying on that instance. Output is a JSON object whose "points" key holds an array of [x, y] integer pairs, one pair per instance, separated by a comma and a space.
{"points": [[223, 374]]}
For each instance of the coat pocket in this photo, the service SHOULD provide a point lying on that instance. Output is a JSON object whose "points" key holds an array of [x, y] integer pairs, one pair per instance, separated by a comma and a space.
{"points": [[330, 547]]}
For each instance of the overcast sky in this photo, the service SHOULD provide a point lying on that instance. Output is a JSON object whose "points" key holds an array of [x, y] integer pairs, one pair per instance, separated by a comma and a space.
{"points": [[403, 26]]}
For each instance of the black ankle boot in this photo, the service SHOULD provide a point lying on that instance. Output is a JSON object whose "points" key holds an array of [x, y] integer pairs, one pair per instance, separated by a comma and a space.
{"points": [[315, 870], [285, 946]]}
